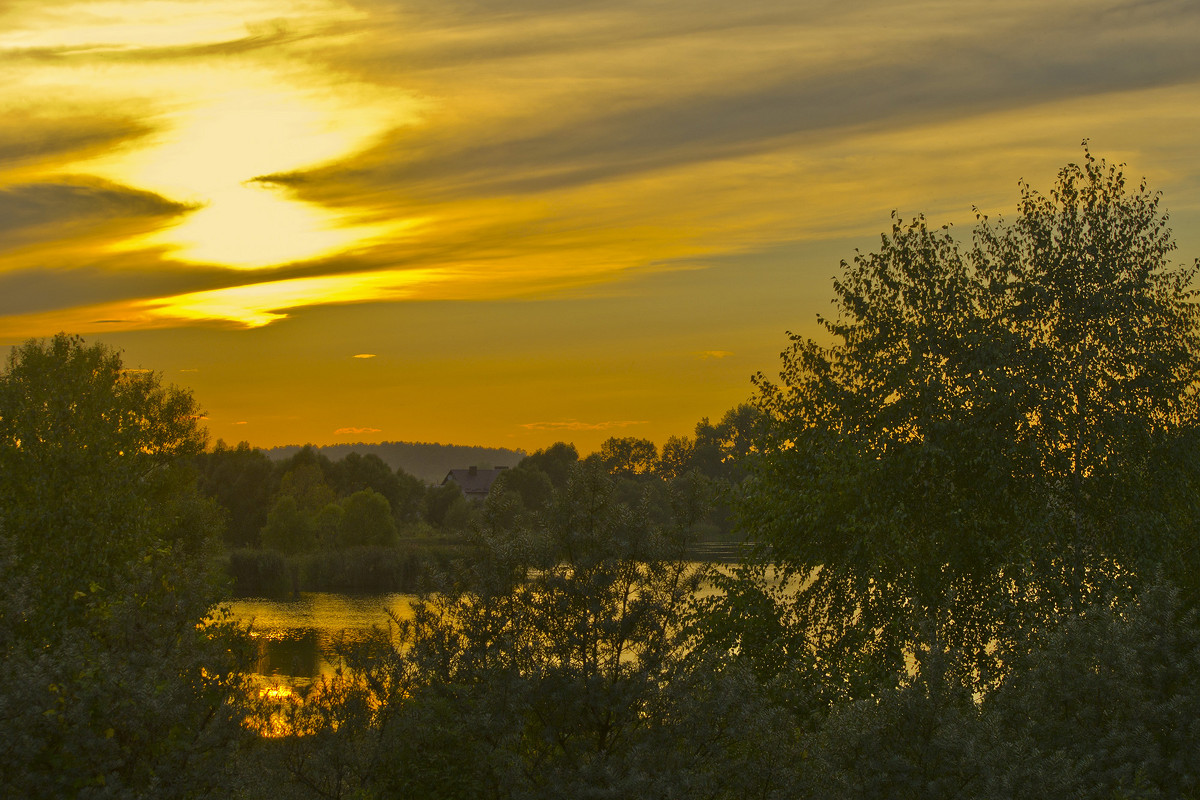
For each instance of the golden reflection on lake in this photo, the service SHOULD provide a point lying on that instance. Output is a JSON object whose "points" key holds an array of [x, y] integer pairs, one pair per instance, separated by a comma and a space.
{"points": [[295, 637]]}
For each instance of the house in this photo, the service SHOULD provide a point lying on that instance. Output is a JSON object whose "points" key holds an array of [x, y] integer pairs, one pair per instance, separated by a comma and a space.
{"points": [[474, 482]]}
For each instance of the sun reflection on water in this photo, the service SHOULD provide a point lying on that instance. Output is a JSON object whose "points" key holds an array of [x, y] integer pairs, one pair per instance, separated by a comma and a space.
{"points": [[296, 642]]}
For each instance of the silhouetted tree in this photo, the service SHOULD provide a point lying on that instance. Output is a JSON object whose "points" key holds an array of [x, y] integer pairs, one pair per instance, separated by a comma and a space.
{"points": [[243, 481], [355, 473], [118, 669], [556, 461], [677, 457], [977, 447], [628, 456], [529, 483]]}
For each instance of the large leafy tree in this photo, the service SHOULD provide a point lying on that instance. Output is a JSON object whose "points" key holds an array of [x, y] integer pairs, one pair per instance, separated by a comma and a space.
{"points": [[628, 456], [290, 529], [366, 520], [356, 472], [1109, 351], [115, 683], [556, 461], [721, 450], [980, 444]]}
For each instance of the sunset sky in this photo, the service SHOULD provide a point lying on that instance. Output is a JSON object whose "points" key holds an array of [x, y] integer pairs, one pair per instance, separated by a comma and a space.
{"points": [[513, 222]]}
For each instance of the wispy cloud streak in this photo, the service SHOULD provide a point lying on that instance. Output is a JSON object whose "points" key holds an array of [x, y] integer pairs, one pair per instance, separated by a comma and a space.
{"points": [[347, 151]]}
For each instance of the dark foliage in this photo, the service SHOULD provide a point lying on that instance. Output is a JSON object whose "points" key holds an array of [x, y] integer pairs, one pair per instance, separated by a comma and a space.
{"points": [[980, 447], [429, 462], [118, 669], [259, 573]]}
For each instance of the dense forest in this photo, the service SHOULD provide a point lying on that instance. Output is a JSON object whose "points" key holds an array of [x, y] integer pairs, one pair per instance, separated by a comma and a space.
{"points": [[308, 522], [428, 461], [975, 512]]}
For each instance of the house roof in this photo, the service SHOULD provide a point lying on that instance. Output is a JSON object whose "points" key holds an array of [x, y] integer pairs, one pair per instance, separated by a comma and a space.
{"points": [[473, 481]]}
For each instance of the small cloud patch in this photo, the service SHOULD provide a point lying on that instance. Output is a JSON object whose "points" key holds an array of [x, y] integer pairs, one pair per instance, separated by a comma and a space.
{"points": [[241, 422], [707, 354], [345, 431], [365, 355], [576, 425]]}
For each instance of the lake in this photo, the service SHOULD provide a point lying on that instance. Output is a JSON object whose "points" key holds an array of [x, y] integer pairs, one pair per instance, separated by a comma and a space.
{"points": [[295, 637]]}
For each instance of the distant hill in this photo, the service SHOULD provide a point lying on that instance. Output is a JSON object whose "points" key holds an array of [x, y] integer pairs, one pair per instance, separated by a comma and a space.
{"points": [[429, 462]]}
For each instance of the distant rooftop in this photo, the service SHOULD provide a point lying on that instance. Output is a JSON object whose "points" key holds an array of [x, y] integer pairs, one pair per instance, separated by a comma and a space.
{"points": [[474, 481]]}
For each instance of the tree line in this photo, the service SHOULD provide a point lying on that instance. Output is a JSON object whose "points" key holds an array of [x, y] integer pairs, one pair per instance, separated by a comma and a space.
{"points": [[977, 510], [309, 500], [355, 524], [428, 461]]}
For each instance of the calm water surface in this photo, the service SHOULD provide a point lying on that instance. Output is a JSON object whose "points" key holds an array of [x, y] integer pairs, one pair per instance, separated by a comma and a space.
{"points": [[295, 637]]}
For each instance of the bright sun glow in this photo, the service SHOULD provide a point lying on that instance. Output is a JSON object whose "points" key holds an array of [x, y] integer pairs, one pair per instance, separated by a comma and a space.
{"points": [[248, 226], [220, 125], [215, 149]]}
